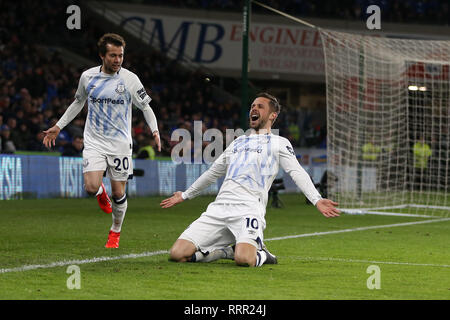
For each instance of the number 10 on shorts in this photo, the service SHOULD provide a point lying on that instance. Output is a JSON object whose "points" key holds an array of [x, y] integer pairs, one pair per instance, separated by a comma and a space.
{"points": [[252, 222]]}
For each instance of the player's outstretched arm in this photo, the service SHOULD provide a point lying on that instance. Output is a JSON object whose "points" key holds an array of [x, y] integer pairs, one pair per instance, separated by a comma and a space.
{"points": [[173, 200], [328, 208], [72, 111], [50, 136]]}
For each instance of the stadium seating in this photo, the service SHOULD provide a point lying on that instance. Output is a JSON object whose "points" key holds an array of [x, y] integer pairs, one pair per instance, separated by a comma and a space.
{"points": [[37, 84], [411, 11]]}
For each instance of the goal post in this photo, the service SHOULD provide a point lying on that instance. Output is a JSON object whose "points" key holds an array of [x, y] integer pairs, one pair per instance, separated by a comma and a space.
{"points": [[388, 123]]}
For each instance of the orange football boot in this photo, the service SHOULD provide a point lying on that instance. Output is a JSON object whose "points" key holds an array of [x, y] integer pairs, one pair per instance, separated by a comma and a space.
{"points": [[103, 201], [113, 239]]}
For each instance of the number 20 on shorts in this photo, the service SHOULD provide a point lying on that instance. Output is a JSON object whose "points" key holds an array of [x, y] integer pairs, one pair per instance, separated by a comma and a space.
{"points": [[124, 162]]}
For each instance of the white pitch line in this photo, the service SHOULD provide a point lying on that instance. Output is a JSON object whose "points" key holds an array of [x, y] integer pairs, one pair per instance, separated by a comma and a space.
{"points": [[374, 262], [149, 254], [356, 229], [84, 261]]}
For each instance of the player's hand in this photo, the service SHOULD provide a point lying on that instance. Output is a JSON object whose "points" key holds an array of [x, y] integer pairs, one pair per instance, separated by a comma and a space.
{"points": [[173, 200], [328, 208], [157, 140], [50, 136]]}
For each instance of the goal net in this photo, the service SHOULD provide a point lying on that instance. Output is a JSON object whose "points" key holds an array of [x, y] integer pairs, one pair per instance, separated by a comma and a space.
{"points": [[388, 121]]}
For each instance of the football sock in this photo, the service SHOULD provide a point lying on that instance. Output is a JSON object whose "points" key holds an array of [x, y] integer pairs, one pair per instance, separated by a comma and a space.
{"points": [[261, 257], [100, 191], [209, 257], [225, 253], [119, 208]]}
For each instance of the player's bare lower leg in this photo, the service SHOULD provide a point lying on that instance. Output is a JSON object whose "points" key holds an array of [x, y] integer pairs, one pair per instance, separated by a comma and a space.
{"points": [[93, 181], [93, 184]]}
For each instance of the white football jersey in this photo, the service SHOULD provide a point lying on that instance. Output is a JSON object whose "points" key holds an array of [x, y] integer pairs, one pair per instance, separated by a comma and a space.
{"points": [[110, 99], [250, 164]]}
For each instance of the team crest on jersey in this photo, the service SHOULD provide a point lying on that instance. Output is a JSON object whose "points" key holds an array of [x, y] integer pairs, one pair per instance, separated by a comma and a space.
{"points": [[120, 88]]}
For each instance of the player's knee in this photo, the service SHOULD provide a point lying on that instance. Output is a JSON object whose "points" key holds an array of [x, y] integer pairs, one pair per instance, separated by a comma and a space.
{"points": [[245, 255], [91, 188], [177, 255], [244, 260], [117, 194], [182, 251]]}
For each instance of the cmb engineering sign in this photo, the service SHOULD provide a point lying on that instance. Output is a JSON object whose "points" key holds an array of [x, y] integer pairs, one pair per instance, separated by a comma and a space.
{"points": [[274, 48], [217, 44]]}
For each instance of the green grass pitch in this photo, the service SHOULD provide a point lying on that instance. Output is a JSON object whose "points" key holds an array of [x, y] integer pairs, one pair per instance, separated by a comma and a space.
{"points": [[320, 263]]}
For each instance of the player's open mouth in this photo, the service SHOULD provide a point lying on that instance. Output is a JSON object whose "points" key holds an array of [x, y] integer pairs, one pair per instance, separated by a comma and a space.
{"points": [[254, 117]]}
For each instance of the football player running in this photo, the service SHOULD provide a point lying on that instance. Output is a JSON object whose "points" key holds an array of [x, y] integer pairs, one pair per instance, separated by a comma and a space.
{"points": [[110, 91]]}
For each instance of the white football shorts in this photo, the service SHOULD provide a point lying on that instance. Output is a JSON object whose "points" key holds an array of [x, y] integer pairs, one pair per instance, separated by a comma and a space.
{"points": [[226, 224], [118, 168]]}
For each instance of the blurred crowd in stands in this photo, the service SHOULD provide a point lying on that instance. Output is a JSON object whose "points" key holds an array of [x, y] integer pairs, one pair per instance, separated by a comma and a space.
{"points": [[37, 85], [397, 11]]}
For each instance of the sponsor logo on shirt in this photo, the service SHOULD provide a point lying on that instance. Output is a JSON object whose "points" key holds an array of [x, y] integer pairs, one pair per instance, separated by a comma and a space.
{"points": [[247, 149], [107, 100]]}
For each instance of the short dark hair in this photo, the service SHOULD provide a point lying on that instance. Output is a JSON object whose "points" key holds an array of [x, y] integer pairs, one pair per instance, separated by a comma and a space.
{"points": [[111, 38], [273, 101]]}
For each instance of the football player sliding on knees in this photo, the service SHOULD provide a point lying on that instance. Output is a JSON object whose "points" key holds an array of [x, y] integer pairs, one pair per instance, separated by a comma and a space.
{"points": [[232, 226]]}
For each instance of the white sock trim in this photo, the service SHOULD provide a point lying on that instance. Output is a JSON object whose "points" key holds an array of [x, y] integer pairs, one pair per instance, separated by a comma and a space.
{"points": [[100, 191], [261, 257], [121, 200]]}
